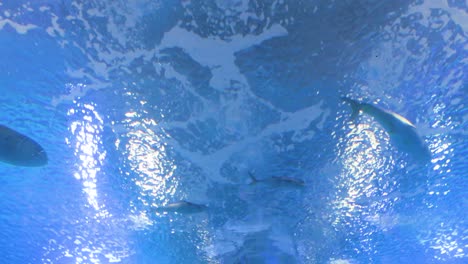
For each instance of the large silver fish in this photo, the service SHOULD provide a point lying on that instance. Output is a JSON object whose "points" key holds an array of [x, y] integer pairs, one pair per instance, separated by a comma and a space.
{"points": [[278, 181], [20, 150], [182, 207], [402, 132]]}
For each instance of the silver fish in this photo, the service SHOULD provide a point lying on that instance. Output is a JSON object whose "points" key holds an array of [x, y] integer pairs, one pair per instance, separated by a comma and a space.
{"points": [[182, 206], [20, 150], [278, 181], [402, 132]]}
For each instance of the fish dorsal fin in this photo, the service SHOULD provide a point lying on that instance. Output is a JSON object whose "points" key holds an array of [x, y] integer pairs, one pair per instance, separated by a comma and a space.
{"points": [[252, 177], [355, 107]]}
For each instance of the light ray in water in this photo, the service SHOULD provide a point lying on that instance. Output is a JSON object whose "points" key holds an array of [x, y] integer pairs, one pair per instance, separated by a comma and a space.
{"points": [[364, 164], [146, 153], [154, 173], [86, 141], [362, 160], [92, 242], [143, 144]]}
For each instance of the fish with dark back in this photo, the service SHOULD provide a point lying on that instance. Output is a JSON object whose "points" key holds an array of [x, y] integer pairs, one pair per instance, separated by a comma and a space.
{"points": [[182, 207], [20, 150], [402, 132]]}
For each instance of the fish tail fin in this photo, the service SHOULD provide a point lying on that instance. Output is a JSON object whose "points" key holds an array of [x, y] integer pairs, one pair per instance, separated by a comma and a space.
{"points": [[252, 177], [355, 106]]}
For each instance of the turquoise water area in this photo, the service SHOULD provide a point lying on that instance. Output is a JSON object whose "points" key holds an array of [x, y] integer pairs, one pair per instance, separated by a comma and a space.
{"points": [[215, 131]]}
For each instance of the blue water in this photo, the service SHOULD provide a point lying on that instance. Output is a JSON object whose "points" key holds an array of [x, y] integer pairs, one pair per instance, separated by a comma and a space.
{"points": [[143, 103]]}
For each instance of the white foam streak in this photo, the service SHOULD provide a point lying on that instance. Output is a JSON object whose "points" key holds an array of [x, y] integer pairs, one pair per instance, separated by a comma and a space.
{"points": [[55, 28], [19, 28], [217, 54], [296, 122], [458, 15]]}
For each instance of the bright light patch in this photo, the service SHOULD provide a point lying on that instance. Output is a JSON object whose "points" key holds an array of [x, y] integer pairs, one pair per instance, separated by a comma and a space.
{"points": [[357, 195], [446, 243], [363, 158], [86, 141], [146, 153]]}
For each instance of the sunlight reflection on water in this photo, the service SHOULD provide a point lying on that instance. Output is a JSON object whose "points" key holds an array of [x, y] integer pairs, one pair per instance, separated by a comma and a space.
{"points": [[146, 153], [358, 202], [87, 144], [86, 130], [363, 163]]}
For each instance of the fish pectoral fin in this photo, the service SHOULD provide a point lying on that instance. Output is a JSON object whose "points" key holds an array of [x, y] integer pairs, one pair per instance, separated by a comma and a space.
{"points": [[355, 107], [252, 177], [390, 128]]}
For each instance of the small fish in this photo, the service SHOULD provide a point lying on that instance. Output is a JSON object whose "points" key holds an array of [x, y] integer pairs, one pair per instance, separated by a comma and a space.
{"points": [[402, 132], [20, 150], [278, 181], [182, 207]]}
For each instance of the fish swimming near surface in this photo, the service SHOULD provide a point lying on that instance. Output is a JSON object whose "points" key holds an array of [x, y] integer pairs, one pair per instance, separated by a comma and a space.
{"points": [[278, 181], [402, 132], [182, 207], [20, 150]]}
